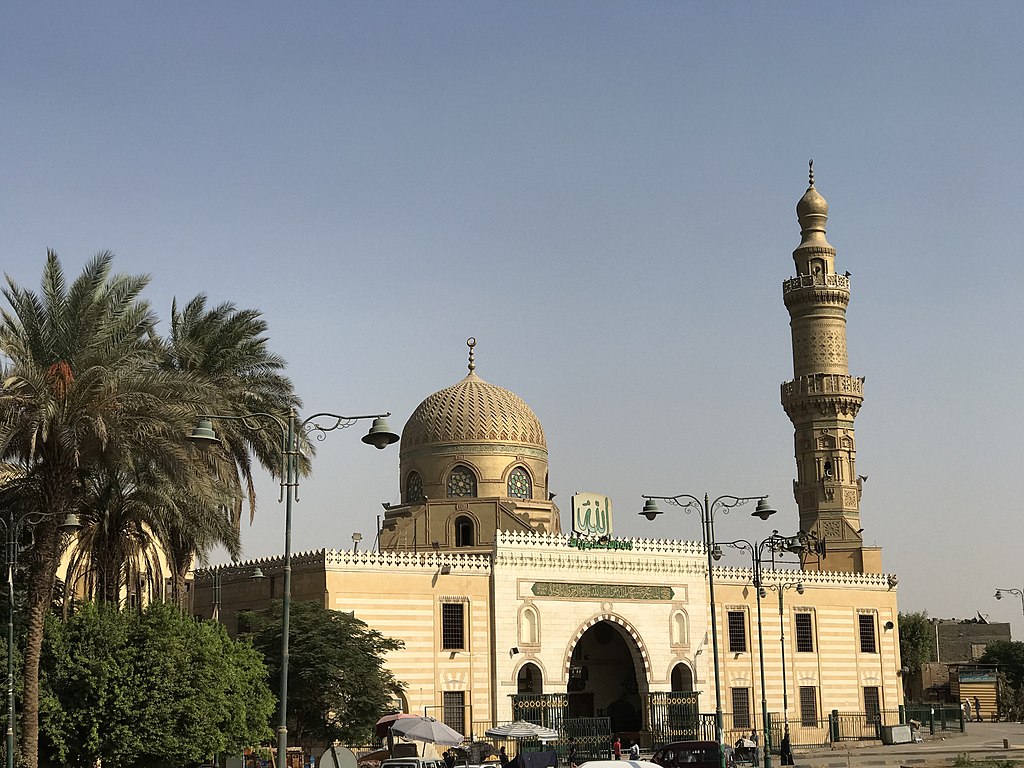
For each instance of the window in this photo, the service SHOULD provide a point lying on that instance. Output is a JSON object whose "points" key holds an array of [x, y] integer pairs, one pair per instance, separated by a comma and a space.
{"points": [[461, 482], [737, 631], [804, 633], [740, 708], [867, 633], [520, 486], [453, 626], [464, 532], [454, 708], [808, 705], [529, 679], [872, 704], [413, 488], [978, 650]]}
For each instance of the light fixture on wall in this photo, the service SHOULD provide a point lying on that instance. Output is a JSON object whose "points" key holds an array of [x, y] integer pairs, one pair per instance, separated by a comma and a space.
{"points": [[888, 625], [513, 651]]}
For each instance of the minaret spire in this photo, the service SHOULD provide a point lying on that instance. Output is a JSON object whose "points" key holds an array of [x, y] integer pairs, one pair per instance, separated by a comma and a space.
{"points": [[822, 400], [471, 342]]}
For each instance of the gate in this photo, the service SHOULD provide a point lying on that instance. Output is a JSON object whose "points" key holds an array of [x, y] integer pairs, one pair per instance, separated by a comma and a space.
{"points": [[675, 716]]}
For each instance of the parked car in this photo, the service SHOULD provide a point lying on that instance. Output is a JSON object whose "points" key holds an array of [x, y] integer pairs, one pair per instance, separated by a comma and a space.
{"points": [[687, 754]]}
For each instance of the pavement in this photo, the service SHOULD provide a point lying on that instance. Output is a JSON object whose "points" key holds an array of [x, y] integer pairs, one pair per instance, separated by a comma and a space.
{"points": [[982, 741]]}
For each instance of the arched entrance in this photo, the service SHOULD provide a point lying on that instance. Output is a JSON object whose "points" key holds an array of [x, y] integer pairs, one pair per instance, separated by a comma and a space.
{"points": [[607, 677]]}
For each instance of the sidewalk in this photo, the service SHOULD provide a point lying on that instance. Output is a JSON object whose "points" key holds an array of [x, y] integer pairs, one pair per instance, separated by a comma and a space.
{"points": [[983, 741]]}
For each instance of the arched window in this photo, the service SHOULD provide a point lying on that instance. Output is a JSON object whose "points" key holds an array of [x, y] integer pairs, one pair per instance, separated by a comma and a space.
{"points": [[461, 482], [679, 633], [529, 679], [682, 678], [464, 532], [528, 627], [520, 486], [413, 488]]}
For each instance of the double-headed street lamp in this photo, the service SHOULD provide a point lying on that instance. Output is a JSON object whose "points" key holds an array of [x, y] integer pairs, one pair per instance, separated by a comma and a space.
{"points": [[13, 524], [707, 511], [781, 588], [379, 436], [1020, 593], [775, 543]]}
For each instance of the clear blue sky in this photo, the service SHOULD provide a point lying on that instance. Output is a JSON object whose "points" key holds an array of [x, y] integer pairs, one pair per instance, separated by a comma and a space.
{"points": [[603, 195]]}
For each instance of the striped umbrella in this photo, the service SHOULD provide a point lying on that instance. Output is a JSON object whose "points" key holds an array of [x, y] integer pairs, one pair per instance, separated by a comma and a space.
{"points": [[521, 729]]}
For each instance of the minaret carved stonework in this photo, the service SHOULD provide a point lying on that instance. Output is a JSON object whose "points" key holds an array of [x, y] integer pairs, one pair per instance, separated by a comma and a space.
{"points": [[823, 399]]}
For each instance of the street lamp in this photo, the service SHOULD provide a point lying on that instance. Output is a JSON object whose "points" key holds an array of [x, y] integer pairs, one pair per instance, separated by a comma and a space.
{"points": [[216, 584], [379, 436], [774, 544], [1018, 592], [12, 525], [780, 588], [707, 511]]}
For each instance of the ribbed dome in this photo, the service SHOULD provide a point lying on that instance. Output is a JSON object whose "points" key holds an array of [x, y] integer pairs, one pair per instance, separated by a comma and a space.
{"points": [[472, 411]]}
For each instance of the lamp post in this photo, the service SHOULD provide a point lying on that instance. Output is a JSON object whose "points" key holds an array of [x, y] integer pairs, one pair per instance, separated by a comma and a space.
{"points": [[12, 525], [379, 436], [707, 511], [774, 543], [1020, 593], [217, 582], [781, 588]]}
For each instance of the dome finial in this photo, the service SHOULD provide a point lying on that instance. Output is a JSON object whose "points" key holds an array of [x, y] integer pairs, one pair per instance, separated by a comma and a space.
{"points": [[810, 173], [471, 342]]}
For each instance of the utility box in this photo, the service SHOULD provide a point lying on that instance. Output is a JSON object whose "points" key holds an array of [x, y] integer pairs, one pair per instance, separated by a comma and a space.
{"points": [[896, 734]]}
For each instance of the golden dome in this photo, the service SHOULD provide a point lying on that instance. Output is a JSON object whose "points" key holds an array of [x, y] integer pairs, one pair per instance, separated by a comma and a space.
{"points": [[472, 411]]}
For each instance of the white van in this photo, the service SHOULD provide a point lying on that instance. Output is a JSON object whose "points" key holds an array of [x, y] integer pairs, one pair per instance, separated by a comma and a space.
{"points": [[412, 762]]}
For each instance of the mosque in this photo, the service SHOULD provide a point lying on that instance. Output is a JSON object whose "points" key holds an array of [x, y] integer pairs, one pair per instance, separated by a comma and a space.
{"points": [[507, 616]]}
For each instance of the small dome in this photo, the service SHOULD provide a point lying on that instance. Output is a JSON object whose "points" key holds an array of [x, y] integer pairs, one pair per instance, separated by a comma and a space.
{"points": [[472, 411], [812, 203]]}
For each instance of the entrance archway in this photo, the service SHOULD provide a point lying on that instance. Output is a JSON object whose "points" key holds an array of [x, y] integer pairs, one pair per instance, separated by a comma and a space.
{"points": [[682, 678], [608, 676]]}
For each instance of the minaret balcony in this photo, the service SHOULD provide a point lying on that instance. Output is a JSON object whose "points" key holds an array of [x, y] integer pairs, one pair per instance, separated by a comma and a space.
{"points": [[824, 384], [841, 282]]}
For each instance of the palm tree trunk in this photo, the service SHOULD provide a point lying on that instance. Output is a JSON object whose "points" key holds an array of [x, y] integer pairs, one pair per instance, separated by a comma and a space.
{"points": [[42, 573]]}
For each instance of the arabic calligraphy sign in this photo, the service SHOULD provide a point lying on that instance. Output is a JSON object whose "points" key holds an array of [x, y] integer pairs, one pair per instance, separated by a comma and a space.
{"points": [[601, 591], [591, 514]]}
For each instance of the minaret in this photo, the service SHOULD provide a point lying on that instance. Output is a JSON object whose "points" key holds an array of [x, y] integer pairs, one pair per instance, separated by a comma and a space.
{"points": [[822, 400]]}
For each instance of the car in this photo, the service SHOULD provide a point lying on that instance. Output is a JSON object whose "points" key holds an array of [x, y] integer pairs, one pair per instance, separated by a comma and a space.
{"points": [[687, 754], [618, 764]]}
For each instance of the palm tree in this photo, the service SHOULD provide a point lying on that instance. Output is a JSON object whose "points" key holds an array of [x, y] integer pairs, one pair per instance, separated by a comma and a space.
{"points": [[227, 348], [82, 392], [126, 517]]}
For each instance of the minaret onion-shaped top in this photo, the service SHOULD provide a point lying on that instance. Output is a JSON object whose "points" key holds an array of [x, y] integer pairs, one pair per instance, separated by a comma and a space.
{"points": [[812, 213]]}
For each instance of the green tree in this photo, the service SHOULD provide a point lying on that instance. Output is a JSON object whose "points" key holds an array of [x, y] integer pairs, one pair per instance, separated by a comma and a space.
{"points": [[917, 640], [153, 688], [82, 390], [1009, 655], [338, 685]]}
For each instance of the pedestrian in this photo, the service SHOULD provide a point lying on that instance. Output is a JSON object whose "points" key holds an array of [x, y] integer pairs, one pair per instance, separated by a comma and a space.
{"points": [[572, 752], [634, 751], [967, 710], [756, 750], [977, 709], [786, 749], [503, 757], [616, 747]]}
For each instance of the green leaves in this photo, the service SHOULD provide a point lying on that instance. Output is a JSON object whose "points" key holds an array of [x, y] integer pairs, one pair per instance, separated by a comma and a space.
{"points": [[338, 686], [155, 688]]}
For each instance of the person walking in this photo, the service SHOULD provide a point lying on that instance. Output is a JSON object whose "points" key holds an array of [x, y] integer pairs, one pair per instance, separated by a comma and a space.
{"points": [[616, 747], [977, 709], [756, 750], [573, 757], [786, 749]]}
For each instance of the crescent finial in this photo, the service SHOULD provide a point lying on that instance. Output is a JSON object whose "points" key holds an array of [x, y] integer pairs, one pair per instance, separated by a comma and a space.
{"points": [[471, 342]]}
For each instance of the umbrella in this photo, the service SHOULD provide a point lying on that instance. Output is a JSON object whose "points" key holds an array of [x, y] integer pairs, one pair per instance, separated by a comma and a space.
{"points": [[385, 722], [521, 729], [426, 729]]}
